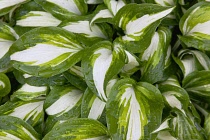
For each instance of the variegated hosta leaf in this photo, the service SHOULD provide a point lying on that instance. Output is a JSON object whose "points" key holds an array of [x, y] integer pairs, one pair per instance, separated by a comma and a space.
{"points": [[93, 107], [28, 92], [78, 129], [13, 128], [93, 33], [132, 66], [139, 22], [64, 9], [39, 81], [102, 15], [192, 60], [29, 111], [114, 6], [154, 58], [179, 127], [197, 84], [166, 2], [62, 99], [5, 85], [37, 19], [194, 26], [172, 80], [133, 110], [7, 5], [62, 103], [102, 62], [7, 38], [175, 97], [94, 1], [46, 51]]}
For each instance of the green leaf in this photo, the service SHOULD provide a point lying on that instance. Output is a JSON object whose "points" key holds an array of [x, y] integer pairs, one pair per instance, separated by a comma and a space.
{"points": [[6, 6], [74, 77], [194, 26], [15, 128], [134, 110], [64, 9], [197, 84], [28, 92], [51, 49], [102, 62], [81, 128], [37, 19], [5, 85], [31, 112]]}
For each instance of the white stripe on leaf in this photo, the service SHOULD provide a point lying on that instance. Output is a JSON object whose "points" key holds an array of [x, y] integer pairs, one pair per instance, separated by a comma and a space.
{"points": [[152, 47], [186, 28], [38, 18], [28, 110], [201, 28], [96, 109], [69, 5], [9, 3], [64, 103], [102, 14], [101, 66], [4, 47], [84, 27], [135, 129], [31, 89], [40, 54], [8, 136], [136, 27], [116, 5], [132, 63]]}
